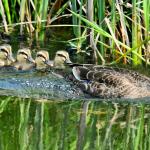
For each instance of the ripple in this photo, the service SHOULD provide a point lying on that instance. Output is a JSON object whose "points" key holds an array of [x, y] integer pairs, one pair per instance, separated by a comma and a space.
{"points": [[33, 86]]}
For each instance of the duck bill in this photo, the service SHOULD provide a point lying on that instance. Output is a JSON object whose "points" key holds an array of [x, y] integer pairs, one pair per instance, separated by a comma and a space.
{"points": [[49, 63], [30, 59], [10, 57], [68, 61]]}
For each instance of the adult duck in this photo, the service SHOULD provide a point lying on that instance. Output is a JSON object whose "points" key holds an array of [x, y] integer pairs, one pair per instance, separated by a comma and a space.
{"points": [[101, 81], [6, 56]]}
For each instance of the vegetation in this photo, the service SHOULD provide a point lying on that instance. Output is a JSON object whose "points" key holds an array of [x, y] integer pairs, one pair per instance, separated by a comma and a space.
{"points": [[113, 31]]}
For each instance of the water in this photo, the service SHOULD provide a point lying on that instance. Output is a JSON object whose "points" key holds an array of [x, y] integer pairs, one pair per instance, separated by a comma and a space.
{"points": [[32, 84], [55, 117], [46, 124]]}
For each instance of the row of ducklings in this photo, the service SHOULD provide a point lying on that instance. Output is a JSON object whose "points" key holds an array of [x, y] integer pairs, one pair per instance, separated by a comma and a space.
{"points": [[99, 81], [24, 60]]}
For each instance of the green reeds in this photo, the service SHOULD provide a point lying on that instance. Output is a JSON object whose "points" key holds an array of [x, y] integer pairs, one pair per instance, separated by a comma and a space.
{"points": [[113, 19], [77, 22], [22, 14], [115, 32], [41, 10], [136, 33], [7, 11], [146, 8], [101, 15], [3, 16]]}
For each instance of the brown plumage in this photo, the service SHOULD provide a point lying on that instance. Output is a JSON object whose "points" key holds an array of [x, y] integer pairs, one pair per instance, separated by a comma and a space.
{"points": [[103, 81], [108, 83]]}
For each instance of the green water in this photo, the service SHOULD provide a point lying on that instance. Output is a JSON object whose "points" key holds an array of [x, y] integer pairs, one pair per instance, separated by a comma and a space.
{"points": [[66, 124]]}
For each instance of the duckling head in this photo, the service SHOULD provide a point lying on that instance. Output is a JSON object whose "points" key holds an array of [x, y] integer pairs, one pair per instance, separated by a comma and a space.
{"points": [[24, 56], [61, 58], [42, 60], [6, 56]]}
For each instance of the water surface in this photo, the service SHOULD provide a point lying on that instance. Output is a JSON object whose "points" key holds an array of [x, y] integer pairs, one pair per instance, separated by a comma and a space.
{"points": [[45, 124]]}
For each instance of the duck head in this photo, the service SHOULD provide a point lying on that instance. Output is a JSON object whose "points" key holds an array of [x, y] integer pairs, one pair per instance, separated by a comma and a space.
{"points": [[61, 58], [6, 56], [24, 56], [42, 60]]}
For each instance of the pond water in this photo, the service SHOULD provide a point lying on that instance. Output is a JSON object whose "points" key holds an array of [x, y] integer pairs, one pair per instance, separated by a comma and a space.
{"points": [[49, 125], [59, 119]]}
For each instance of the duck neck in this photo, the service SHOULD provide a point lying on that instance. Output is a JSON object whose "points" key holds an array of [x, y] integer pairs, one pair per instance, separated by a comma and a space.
{"points": [[22, 61], [2, 63], [41, 66], [59, 64]]}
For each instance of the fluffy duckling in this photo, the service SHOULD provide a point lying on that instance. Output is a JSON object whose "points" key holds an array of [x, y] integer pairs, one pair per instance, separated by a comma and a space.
{"points": [[24, 60], [61, 59], [103, 82], [6, 56], [42, 61]]}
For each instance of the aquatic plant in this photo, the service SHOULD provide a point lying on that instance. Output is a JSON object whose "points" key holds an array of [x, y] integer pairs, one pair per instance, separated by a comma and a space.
{"points": [[112, 31]]}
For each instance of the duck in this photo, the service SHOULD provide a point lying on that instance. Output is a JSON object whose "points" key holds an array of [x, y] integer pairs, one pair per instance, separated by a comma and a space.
{"points": [[102, 81], [6, 56], [61, 65], [42, 61], [24, 60], [61, 59]]}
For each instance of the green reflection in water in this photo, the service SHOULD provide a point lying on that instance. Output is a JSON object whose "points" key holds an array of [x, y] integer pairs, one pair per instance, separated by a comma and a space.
{"points": [[49, 125]]}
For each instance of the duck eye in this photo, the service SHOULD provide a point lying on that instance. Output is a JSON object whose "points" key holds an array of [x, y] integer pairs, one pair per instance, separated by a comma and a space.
{"points": [[39, 55], [23, 53], [61, 56], [4, 50]]}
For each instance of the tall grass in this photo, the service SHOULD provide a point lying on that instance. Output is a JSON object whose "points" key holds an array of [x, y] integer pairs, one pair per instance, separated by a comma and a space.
{"points": [[122, 40], [101, 16], [127, 39]]}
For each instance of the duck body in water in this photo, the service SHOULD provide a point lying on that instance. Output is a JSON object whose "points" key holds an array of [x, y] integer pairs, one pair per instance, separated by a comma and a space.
{"points": [[95, 80], [106, 82], [103, 81], [29, 78]]}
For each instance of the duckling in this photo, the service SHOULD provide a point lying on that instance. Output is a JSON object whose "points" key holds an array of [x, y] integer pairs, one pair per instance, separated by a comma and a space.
{"points": [[61, 58], [42, 61], [24, 60], [6, 56], [103, 82]]}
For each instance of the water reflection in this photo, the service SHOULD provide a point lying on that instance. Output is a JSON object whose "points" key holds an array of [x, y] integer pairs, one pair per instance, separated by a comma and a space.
{"points": [[45, 124]]}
